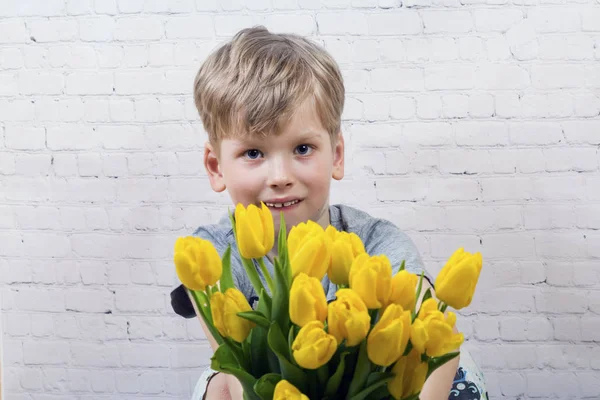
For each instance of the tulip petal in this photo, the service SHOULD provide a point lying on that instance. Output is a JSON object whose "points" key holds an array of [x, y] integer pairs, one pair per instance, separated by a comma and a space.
{"points": [[188, 272]]}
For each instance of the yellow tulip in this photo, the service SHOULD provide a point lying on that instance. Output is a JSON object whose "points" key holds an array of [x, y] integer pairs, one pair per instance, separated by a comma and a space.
{"points": [[409, 376], [254, 229], [348, 318], [197, 262], [313, 347], [371, 278], [307, 300], [432, 332], [345, 248], [224, 308], [456, 282], [404, 287], [309, 249], [389, 337], [286, 391]]}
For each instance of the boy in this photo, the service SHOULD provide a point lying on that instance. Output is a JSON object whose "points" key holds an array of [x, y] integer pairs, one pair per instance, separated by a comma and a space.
{"points": [[271, 105]]}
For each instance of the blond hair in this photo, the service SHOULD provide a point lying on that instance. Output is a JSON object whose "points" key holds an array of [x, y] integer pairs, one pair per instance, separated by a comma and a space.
{"points": [[254, 83]]}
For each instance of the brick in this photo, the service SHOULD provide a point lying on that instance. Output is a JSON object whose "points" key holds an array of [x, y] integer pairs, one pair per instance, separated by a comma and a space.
{"points": [[340, 23], [555, 19], [557, 76], [84, 83], [470, 48], [365, 50], [101, 355], [447, 21], [397, 79], [53, 30], [429, 107], [13, 31], [590, 19], [496, 20], [559, 301], [455, 106], [546, 217], [25, 138], [449, 78], [45, 353], [443, 49], [305, 25], [395, 23], [89, 301], [144, 355], [547, 384], [499, 76], [138, 28], [198, 26], [498, 48], [481, 134], [228, 24]]}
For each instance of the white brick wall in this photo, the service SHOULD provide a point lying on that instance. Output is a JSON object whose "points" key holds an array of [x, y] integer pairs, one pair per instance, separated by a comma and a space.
{"points": [[468, 122]]}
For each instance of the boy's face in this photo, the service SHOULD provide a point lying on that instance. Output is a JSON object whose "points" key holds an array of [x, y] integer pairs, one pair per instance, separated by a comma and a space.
{"points": [[289, 172]]}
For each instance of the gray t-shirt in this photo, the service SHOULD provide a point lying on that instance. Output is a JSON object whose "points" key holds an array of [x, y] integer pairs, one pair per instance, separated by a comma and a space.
{"points": [[378, 235]]}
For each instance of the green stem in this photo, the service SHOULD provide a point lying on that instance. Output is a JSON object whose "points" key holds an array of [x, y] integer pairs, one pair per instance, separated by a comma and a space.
{"points": [[206, 314], [267, 275], [443, 307]]}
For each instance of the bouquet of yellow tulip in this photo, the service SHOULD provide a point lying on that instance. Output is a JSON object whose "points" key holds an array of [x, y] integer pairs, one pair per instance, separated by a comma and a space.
{"points": [[369, 343]]}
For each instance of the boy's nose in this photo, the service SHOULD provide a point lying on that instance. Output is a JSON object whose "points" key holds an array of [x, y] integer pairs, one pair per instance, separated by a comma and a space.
{"points": [[279, 175]]}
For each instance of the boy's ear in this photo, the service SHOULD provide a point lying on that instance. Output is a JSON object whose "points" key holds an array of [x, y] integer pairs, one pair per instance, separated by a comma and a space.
{"points": [[338, 158], [213, 169]]}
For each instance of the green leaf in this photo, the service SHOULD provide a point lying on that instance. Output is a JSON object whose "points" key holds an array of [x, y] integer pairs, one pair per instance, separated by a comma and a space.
{"points": [[281, 299], [436, 362], [264, 304], [226, 281], [237, 351], [427, 295], [224, 361], [334, 381], [419, 288], [265, 386], [255, 316], [282, 251], [379, 382], [361, 373], [376, 376], [292, 373], [402, 266]]}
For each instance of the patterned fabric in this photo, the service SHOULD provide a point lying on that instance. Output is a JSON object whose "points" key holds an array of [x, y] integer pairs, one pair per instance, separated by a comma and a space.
{"points": [[468, 381]]}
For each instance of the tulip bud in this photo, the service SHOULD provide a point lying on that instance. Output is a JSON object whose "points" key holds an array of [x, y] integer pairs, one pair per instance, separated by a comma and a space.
{"points": [[309, 250], [313, 347], [348, 318], [345, 248], [224, 308], [404, 287], [286, 391], [456, 282], [307, 300], [409, 376], [254, 230], [389, 337], [197, 262], [371, 278], [432, 332]]}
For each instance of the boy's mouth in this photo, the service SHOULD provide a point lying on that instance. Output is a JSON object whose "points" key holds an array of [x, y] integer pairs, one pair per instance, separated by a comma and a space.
{"points": [[282, 205]]}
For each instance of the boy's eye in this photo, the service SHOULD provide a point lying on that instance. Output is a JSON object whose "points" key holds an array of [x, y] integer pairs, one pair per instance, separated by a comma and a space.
{"points": [[304, 149], [253, 154]]}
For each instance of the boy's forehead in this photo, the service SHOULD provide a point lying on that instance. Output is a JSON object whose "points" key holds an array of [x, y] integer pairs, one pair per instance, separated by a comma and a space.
{"points": [[304, 121]]}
